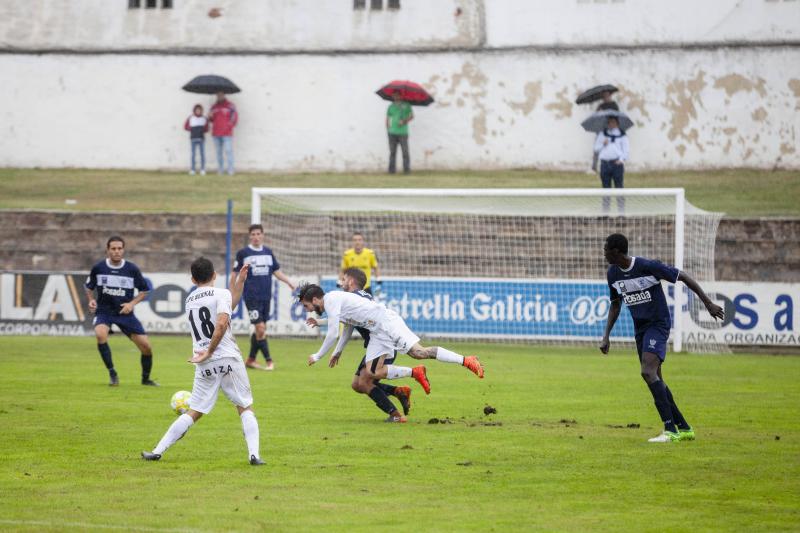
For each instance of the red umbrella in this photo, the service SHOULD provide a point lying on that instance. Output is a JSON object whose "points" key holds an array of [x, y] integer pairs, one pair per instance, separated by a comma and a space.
{"points": [[411, 92]]}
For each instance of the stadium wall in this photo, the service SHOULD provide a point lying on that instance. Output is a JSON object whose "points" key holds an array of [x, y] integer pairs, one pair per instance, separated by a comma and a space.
{"points": [[95, 83], [747, 250], [693, 109]]}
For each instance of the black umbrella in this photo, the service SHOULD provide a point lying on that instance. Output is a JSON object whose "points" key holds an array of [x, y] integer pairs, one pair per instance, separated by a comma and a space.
{"points": [[599, 121], [594, 94], [211, 84]]}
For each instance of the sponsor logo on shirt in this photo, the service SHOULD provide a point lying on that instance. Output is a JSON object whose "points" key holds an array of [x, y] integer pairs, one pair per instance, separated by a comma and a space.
{"points": [[113, 292], [636, 298]]}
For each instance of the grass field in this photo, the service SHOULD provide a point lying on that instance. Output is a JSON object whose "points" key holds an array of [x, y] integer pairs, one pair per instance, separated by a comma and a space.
{"points": [[736, 192], [557, 456]]}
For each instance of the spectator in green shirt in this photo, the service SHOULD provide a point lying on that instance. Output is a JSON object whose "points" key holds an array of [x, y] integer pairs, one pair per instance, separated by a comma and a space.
{"points": [[398, 116]]}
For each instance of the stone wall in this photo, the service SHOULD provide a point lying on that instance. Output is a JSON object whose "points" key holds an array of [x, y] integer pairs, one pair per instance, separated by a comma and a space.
{"points": [[746, 249]]}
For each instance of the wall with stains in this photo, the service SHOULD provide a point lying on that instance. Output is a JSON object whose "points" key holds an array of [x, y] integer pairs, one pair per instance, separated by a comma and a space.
{"points": [[725, 107], [640, 22], [238, 25]]}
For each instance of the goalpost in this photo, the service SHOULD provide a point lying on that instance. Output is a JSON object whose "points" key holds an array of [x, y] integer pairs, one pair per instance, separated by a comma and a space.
{"points": [[518, 265]]}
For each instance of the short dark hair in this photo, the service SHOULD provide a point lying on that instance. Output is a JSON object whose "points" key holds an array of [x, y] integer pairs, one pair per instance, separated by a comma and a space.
{"points": [[255, 226], [617, 241], [115, 238], [308, 291], [202, 270], [358, 276], [358, 233]]}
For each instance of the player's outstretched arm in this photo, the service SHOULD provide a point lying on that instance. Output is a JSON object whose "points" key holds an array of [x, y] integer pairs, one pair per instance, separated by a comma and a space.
{"points": [[327, 344], [223, 321], [715, 310], [237, 285], [281, 276], [613, 315], [344, 338]]}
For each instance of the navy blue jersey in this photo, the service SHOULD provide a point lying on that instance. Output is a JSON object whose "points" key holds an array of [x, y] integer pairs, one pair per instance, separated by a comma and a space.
{"points": [[262, 265], [640, 288], [115, 284]]}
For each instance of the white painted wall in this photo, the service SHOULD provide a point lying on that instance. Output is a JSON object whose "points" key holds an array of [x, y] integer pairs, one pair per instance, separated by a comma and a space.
{"points": [[243, 25], [319, 25], [693, 109], [638, 22]]}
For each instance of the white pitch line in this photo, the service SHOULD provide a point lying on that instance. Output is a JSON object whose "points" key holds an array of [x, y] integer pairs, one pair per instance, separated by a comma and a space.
{"points": [[87, 525]]}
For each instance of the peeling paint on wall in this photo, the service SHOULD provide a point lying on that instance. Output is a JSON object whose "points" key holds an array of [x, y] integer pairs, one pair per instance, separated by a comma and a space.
{"points": [[759, 114], [562, 107], [733, 83], [682, 98], [794, 85], [533, 92]]}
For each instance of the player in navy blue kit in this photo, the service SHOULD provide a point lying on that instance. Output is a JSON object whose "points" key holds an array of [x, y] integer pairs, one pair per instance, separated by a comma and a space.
{"points": [[115, 279], [258, 291], [637, 281], [353, 280]]}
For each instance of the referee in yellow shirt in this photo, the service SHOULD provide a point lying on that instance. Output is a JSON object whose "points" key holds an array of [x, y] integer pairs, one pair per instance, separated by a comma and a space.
{"points": [[362, 258]]}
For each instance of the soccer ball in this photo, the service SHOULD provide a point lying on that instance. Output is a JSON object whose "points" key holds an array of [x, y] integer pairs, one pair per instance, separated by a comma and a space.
{"points": [[180, 401]]}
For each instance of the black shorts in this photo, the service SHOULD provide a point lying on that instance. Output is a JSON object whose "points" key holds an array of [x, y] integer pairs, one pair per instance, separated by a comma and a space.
{"points": [[374, 363], [258, 310], [653, 339]]}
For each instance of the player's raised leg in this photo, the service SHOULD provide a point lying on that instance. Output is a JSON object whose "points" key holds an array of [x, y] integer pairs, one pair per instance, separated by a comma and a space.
{"points": [[174, 433], [143, 343], [101, 333], [471, 362]]}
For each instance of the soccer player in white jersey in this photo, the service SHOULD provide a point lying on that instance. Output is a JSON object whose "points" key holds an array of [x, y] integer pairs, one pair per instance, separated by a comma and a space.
{"points": [[388, 332], [217, 358]]}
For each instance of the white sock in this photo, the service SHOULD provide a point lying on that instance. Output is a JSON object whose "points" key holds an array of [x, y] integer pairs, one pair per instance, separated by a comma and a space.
{"points": [[174, 433], [396, 372], [250, 429], [446, 356]]}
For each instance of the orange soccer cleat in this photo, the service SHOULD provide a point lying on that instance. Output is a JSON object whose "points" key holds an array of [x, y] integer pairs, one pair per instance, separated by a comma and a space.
{"points": [[403, 394], [419, 373], [474, 365]]}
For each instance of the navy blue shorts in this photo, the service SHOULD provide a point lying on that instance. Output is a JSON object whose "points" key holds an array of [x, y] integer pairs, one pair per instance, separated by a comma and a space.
{"points": [[653, 339], [258, 310], [129, 324], [362, 364]]}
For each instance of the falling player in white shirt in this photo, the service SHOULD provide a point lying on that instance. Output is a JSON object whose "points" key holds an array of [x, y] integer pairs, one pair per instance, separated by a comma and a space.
{"points": [[388, 332], [217, 358]]}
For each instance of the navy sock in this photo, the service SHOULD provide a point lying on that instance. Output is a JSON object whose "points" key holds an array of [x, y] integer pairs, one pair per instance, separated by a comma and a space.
{"points": [[105, 354], [253, 347], [676, 414], [659, 391], [264, 347], [388, 389], [147, 365], [382, 401]]}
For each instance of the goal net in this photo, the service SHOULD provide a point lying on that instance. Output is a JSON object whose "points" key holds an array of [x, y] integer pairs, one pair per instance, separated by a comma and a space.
{"points": [[517, 265]]}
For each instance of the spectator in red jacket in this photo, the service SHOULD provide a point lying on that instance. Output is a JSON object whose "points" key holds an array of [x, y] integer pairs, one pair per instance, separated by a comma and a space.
{"points": [[223, 117], [197, 126]]}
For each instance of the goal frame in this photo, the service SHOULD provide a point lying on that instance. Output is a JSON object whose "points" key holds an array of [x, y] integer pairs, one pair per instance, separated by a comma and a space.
{"points": [[678, 193]]}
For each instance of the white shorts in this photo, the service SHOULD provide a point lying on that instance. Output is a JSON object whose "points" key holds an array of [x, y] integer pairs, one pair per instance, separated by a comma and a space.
{"points": [[393, 335], [228, 374]]}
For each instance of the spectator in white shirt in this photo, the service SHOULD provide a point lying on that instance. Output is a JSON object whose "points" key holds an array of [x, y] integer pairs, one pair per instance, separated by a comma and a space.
{"points": [[612, 149]]}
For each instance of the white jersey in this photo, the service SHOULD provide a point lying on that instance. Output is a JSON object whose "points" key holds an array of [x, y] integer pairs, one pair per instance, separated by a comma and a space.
{"points": [[202, 308], [354, 311]]}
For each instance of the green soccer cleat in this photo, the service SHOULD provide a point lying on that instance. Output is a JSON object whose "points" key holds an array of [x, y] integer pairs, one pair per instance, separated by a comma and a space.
{"points": [[686, 434], [666, 436]]}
